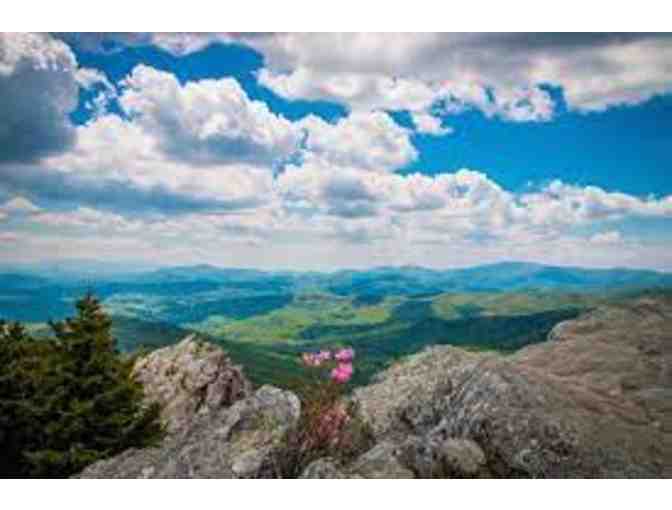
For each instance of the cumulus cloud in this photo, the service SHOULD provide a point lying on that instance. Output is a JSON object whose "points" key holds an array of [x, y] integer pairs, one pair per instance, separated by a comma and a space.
{"points": [[201, 166], [38, 88], [365, 217], [595, 71], [88, 78], [358, 91], [429, 124], [408, 70], [207, 121], [115, 165], [199, 146], [177, 43], [561, 203], [367, 140], [370, 91]]}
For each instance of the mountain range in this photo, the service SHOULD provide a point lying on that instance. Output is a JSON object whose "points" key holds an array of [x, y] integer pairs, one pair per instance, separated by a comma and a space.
{"points": [[266, 319]]}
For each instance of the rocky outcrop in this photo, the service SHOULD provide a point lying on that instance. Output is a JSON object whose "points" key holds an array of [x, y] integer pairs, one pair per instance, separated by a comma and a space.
{"points": [[233, 442], [593, 401], [190, 378]]}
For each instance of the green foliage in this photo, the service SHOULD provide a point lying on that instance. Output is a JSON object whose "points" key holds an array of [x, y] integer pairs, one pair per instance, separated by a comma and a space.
{"points": [[70, 400]]}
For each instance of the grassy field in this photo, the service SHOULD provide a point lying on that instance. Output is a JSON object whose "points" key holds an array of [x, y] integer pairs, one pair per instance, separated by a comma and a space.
{"points": [[268, 345]]}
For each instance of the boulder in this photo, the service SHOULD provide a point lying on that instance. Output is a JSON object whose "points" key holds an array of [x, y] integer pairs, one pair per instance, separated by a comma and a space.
{"points": [[234, 442], [190, 378], [461, 458], [380, 462], [428, 457], [323, 468], [594, 401]]}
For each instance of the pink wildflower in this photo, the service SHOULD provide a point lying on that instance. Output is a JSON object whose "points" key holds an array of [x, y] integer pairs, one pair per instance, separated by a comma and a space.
{"points": [[345, 355], [342, 373], [310, 360], [324, 355]]}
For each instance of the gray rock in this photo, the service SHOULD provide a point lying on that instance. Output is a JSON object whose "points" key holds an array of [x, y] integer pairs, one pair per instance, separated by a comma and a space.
{"points": [[428, 457], [323, 468], [422, 456], [461, 458], [249, 462], [596, 401], [380, 462], [189, 378], [234, 442]]}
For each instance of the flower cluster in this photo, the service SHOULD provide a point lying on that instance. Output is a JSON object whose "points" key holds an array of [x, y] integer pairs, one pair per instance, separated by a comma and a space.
{"points": [[329, 425], [316, 359], [343, 358]]}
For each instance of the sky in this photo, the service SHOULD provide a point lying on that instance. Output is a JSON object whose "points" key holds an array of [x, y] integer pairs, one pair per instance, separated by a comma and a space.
{"points": [[324, 151]]}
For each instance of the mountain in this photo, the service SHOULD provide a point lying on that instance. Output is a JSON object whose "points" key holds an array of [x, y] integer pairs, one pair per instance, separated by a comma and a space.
{"points": [[403, 280], [506, 276], [77, 270], [385, 313], [21, 281]]}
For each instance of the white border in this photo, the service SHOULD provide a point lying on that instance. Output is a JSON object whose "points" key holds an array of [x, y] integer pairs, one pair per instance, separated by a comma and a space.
{"points": [[334, 494], [338, 15]]}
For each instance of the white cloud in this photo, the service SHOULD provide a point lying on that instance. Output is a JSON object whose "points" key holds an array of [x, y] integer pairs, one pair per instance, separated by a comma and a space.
{"points": [[359, 91], [610, 237], [199, 170], [89, 220], [398, 70], [207, 121], [367, 140], [118, 163], [561, 203], [595, 70], [429, 124], [324, 216], [202, 145], [88, 78], [38, 89]]}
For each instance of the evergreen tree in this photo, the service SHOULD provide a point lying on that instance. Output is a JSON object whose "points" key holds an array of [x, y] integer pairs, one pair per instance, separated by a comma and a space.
{"points": [[74, 399], [15, 389]]}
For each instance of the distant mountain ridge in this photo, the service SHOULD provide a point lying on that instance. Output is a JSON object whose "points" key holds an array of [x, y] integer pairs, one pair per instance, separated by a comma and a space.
{"points": [[404, 280], [385, 312]]}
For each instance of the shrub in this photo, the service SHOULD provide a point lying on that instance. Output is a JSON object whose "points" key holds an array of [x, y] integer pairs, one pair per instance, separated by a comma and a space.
{"points": [[70, 400], [329, 425]]}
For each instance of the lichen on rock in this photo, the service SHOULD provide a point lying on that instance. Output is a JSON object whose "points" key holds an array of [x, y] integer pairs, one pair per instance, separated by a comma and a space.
{"points": [[189, 378]]}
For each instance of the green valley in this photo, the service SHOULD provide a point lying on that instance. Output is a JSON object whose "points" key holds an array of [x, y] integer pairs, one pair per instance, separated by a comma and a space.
{"points": [[265, 320]]}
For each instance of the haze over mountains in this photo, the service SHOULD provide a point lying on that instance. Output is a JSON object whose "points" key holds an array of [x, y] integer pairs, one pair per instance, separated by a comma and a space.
{"points": [[501, 276]]}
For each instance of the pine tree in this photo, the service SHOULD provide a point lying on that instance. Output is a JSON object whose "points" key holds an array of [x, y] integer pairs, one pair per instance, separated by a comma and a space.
{"points": [[14, 386], [74, 399]]}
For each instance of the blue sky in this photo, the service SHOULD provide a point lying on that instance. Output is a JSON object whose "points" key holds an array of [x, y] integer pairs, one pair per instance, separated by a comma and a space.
{"points": [[610, 149], [318, 151]]}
